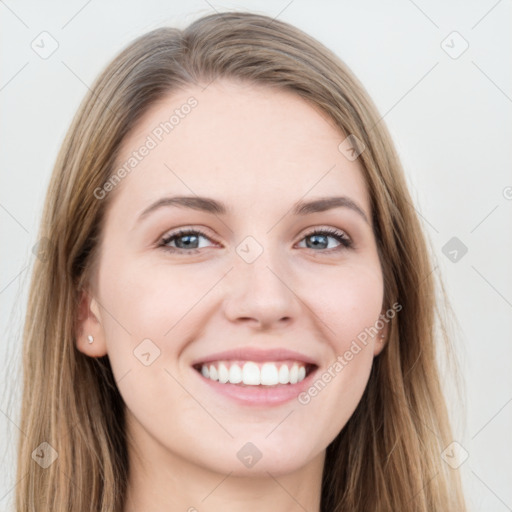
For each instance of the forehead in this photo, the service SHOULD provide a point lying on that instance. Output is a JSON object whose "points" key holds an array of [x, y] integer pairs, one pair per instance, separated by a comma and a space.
{"points": [[247, 145]]}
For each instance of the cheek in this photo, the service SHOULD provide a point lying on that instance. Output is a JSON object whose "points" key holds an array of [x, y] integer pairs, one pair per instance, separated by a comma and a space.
{"points": [[149, 298], [350, 307], [348, 300]]}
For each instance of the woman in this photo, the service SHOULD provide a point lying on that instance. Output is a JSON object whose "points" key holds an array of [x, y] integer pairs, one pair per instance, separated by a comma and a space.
{"points": [[235, 309]]}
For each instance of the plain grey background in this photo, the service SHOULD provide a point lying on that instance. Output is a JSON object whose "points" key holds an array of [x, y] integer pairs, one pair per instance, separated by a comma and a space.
{"points": [[439, 73]]}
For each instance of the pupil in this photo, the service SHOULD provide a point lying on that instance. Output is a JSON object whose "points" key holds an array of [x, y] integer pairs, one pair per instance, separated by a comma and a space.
{"points": [[316, 244], [187, 237]]}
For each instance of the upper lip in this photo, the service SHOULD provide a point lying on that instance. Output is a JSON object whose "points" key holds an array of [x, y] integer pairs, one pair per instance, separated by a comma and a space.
{"points": [[254, 354]]}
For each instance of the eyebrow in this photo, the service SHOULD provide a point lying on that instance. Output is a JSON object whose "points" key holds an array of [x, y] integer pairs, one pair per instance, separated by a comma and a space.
{"points": [[300, 208]]}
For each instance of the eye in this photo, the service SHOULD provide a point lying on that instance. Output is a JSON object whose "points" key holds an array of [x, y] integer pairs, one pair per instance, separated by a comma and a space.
{"points": [[319, 239], [186, 240]]}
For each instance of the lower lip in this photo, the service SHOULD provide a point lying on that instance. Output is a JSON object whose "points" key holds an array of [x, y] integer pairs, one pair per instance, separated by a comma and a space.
{"points": [[259, 395]]}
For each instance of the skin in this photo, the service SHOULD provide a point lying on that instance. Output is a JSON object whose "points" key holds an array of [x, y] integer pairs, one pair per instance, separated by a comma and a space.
{"points": [[259, 151]]}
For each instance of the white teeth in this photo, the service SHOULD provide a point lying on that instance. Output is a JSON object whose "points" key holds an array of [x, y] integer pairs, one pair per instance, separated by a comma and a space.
{"points": [[284, 374], [269, 374], [235, 374], [294, 374], [223, 373], [255, 374], [213, 373], [251, 374]]}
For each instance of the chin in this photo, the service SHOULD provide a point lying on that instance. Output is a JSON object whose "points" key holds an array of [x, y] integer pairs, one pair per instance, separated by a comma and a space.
{"points": [[257, 456]]}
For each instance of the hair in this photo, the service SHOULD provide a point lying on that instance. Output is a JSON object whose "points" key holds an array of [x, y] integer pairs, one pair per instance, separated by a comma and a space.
{"points": [[388, 455]]}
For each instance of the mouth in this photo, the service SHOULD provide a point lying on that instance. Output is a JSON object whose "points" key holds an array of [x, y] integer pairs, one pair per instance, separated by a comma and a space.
{"points": [[252, 377], [262, 374]]}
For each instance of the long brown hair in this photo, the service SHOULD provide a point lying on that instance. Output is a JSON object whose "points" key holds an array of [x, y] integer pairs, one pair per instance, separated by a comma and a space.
{"points": [[388, 456]]}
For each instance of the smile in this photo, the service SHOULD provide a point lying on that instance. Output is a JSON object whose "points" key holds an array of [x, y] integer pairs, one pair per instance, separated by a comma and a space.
{"points": [[250, 373]]}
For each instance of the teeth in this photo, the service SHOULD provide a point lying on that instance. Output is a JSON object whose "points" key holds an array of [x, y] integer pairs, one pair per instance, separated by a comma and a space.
{"points": [[235, 374], [284, 374], [251, 374], [223, 373], [294, 374], [269, 374], [254, 374]]}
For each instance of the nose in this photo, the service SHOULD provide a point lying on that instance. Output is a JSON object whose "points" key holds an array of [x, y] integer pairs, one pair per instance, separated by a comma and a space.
{"points": [[261, 294]]}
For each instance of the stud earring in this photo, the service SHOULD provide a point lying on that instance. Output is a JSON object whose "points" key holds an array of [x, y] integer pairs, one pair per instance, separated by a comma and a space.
{"points": [[381, 338], [90, 338]]}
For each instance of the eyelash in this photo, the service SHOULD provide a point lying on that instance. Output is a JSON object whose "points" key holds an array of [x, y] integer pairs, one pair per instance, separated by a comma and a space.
{"points": [[346, 242]]}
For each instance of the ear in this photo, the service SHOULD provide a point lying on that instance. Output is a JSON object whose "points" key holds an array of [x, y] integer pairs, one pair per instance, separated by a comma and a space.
{"points": [[89, 323], [381, 339]]}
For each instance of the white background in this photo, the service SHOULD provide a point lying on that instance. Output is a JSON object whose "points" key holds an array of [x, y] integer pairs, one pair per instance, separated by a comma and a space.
{"points": [[450, 119]]}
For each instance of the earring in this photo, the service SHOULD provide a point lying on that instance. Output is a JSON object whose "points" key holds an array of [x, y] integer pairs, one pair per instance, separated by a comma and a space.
{"points": [[90, 338], [381, 338]]}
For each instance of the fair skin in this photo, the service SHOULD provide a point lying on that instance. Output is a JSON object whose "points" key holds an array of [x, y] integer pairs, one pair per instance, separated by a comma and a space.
{"points": [[259, 151]]}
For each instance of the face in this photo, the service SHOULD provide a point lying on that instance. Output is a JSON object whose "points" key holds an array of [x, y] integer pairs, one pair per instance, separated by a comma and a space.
{"points": [[253, 289]]}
